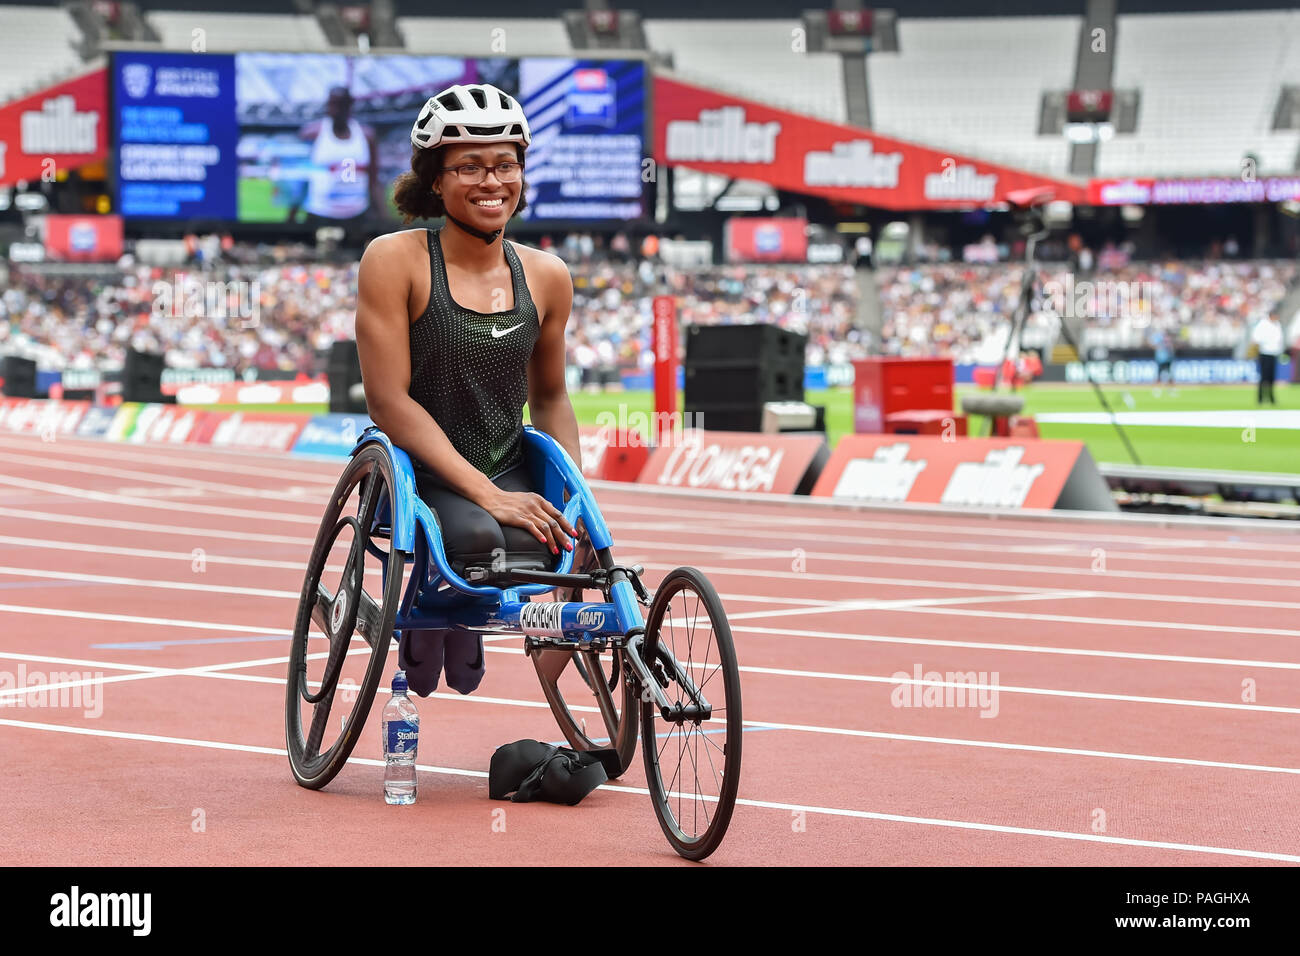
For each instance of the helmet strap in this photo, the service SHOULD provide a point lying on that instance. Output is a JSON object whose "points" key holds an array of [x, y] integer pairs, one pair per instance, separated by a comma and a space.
{"points": [[487, 237]]}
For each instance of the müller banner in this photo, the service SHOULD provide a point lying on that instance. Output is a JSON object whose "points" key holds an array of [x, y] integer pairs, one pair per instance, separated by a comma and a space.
{"points": [[716, 133], [968, 472], [60, 128]]}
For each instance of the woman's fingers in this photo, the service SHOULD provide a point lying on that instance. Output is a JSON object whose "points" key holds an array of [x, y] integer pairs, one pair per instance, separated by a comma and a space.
{"points": [[557, 515], [527, 523]]}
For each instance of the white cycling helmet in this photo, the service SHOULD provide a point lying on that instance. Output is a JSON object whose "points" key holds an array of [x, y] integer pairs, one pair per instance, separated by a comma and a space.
{"points": [[477, 113]]}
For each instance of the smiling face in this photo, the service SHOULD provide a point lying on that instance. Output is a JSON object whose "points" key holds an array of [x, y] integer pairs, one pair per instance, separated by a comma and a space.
{"points": [[486, 205]]}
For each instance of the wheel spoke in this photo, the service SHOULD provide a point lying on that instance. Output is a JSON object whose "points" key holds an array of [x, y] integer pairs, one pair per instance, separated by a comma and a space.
{"points": [[369, 621], [319, 718], [320, 610]]}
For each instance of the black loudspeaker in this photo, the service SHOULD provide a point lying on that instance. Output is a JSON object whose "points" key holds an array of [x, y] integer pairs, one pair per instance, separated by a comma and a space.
{"points": [[344, 370], [142, 378], [19, 375], [732, 370]]}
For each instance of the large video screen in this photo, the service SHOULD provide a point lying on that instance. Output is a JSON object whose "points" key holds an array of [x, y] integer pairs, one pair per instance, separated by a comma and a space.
{"points": [[315, 138]]}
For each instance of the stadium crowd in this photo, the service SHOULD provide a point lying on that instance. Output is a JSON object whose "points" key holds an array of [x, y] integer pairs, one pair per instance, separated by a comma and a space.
{"points": [[275, 308], [283, 316], [960, 308]]}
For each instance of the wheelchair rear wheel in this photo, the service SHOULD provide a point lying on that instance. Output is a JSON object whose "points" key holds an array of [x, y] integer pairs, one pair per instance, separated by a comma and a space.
{"points": [[350, 596], [692, 761], [601, 678]]}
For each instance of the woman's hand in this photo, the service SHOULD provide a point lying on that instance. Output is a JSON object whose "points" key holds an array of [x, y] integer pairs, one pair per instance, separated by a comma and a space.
{"points": [[532, 512]]}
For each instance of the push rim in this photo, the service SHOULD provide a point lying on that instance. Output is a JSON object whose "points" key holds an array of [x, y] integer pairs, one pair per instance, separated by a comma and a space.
{"points": [[344, 627]]}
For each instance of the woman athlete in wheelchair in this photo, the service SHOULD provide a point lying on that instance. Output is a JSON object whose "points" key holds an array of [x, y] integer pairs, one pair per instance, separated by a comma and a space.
{"points": [[457, 329]]}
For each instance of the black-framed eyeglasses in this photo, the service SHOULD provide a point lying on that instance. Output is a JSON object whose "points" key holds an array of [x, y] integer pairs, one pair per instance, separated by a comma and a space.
{"points": [[473, 173]]}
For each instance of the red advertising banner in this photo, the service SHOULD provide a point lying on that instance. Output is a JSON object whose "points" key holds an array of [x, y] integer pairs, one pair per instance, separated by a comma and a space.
{"points": [[736, 461], [61, 128], [613, 454], [716, 133], [755, 239], [83, 238], [665, 329], [970, 472], [36, 416], [261, 431]]}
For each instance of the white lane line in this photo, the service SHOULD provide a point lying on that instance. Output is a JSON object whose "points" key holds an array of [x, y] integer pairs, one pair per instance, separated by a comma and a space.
{"points": [[137, 673], [225, 672], [943, 585], [778, 513], [173, 531], [374, 572], [209, 557], [891, 605], [137, 454], [139, 619], [115, 581], [1082, 550], [641, 791], [1019, 648], [1009, 689], [1110, 622], [176, 483], [846, 557], [190, 508]]}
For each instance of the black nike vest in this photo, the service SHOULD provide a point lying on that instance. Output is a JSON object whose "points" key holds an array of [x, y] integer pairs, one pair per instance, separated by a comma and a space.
{"points": [[469, 370]]}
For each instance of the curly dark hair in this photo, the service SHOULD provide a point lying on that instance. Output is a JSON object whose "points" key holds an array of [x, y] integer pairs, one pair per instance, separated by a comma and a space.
{"points": [[413, 193]]}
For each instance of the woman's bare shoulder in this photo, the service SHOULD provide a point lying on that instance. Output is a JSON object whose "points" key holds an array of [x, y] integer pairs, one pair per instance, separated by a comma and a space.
{"points": [[394, 251], [540, 261]]}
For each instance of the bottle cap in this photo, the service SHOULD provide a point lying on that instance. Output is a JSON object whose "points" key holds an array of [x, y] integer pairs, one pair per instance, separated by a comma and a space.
{"points": [[399, 682]]}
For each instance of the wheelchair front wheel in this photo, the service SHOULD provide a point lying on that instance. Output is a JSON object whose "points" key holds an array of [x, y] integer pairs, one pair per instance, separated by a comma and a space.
{"points": [[692, 761], [350, 596]]}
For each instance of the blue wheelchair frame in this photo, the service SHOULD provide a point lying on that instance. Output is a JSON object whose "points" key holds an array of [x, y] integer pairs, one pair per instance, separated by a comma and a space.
{"points": [[437, 597]]}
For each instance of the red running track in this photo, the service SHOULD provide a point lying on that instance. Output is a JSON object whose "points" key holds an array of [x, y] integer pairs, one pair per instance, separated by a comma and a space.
{"points": [[1141, 683]]}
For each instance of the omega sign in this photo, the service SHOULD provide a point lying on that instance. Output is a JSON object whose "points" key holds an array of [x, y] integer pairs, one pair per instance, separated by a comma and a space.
{"points": [[722, 136]]}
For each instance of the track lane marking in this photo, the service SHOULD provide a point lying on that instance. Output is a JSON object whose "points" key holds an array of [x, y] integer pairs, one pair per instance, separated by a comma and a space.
{"points": [[740, 801]]}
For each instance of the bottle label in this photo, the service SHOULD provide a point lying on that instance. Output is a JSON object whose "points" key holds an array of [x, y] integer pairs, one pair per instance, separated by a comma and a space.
{"points": [[403, 736]]}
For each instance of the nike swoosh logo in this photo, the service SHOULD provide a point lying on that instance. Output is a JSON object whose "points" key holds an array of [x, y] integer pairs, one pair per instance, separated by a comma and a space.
{"points": [[497, 333]]}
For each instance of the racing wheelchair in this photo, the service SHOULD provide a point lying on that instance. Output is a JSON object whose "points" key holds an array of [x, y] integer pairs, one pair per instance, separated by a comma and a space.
{"points": [[378, 571]]}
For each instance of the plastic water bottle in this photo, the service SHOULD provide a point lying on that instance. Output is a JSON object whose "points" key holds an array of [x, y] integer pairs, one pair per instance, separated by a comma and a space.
{"points": [[401, 732]]}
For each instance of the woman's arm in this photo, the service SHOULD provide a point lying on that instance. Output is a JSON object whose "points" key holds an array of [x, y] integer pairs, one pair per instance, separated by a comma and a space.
{"points": [[383, 345], [548, 397]]}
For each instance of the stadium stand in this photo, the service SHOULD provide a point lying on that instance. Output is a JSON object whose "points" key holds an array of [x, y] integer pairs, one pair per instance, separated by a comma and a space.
{"points": [[476, 36], [232, 32], [1209, 83], [753, 59], [36, 48], [952, 85]]}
